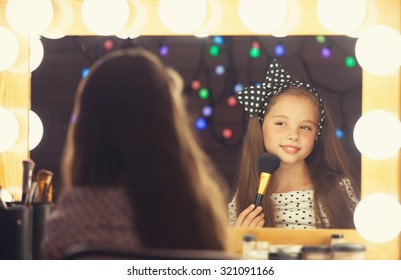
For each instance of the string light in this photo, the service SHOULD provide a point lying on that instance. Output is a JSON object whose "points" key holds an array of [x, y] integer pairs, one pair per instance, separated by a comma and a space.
{"points": [[200, 124], [339, 133], [350, 62], [196, 84], [85, 72], [164, 50], [227, 133], [203, 93], [254, 52], [108, 44], [326, 52], [220, 70], [279, 50], [218, 40], [207, 111], [231, 101], [320, 39], [214, 50], [238, 87]]}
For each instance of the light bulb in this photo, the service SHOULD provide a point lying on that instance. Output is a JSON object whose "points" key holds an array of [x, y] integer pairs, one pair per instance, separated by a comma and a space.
{"points": [[377, 218], [9, 48], [9, 129], [35, 130]]}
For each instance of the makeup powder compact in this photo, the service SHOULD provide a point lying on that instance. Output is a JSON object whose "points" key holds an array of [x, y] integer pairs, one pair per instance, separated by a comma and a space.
{"points": [[316, 253], [348, 251]]}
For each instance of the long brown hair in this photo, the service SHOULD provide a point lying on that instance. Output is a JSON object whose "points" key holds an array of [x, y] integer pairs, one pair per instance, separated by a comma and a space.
{"points": [[132, 129], [327, 164]]}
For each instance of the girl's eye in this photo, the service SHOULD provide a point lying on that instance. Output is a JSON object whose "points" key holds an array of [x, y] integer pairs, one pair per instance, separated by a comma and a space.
{"points": [[305, 127], [279, 123]]}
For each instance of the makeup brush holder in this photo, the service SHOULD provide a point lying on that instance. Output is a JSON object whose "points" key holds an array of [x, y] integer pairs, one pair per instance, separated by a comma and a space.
{"points": [[41, 211], [16, 232]]}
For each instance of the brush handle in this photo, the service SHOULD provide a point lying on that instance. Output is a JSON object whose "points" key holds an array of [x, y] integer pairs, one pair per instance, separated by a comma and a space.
{"points": [[258, 199]]}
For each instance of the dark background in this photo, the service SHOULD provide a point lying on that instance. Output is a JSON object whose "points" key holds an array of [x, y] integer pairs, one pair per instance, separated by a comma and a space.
{"points": [[54, 84]]}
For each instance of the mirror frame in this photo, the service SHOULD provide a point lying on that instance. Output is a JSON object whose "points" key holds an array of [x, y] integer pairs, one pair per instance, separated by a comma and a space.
{"points": [[378, 92]]}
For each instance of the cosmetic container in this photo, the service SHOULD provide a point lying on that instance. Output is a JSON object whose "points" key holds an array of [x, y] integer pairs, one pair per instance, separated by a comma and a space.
{"points": [[248, 244], [337, 238], [316, 253], [285, 252], [349, 251]]}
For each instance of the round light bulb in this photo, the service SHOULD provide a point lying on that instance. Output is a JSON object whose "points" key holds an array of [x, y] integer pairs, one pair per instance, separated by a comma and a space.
{"points": [[377, 134], [378, 50], [188, 18], [9, 129], [105, 17], [29, 17], [36, 52], [35, 130], [9, 48], [377, 218], [263, 16], [341, 16]]}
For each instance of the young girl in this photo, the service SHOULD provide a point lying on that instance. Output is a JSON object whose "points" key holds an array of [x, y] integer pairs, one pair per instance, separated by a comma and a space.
{"points": [[313, 187], [134, 174]]}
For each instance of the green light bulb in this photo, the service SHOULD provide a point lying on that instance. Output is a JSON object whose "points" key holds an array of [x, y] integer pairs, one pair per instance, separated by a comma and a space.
{"points": [[214, 50], [350, 62], [320, 39], [203, 93], [254, 52]]}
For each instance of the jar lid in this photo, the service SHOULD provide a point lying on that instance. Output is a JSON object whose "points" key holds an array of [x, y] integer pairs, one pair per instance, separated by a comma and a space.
{"points": [[348, 247], [316, 249], [249, 237], [337, 236], [285, 256]]}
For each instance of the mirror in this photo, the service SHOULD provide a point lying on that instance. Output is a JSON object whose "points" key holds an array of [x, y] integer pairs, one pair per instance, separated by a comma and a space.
{"points": [[219, 65]]}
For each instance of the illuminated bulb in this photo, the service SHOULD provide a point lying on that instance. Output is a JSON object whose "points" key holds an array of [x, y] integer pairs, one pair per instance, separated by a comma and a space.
{"points": [[195, 84], [214, 50], [213, 18], [341, 16], [207, 111], [220, 70], [9, 48], [279, 50], [320, 39], [29, 17], [203, 93], [163, 50], [254, 52], [350, 62], [35, 130], [36, 52], [326, 52], [9, 129], [377, 218], [263, 16], [136, 21], [108, 44], [238, 87], [200, 124], [218, 40], [182, 16], [227, 133], [85, 72], [339, 133], [62, 24], [255, 44], [231, 101], [105, 17], [377, 134], [378, 50]]}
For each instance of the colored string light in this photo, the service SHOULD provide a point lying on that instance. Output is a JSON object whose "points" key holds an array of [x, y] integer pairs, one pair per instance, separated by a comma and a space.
{"points": [[220, 70], [218, 40], [85, 72], [279, 50], [339, 133], [254, 52], [200, 124], [214, 50], [238, 87], [320, 39], [350, 62], [207, 111], [227, 133], [203, 93], [326, 52], [196, 84], [231, 101], [164, 50]]}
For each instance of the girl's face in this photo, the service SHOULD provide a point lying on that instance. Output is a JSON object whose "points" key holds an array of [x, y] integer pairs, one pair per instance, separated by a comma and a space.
{"points": [[290, 126]]}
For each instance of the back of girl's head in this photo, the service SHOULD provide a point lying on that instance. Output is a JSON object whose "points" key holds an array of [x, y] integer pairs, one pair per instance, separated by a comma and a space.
{"points": [[132, 129]]}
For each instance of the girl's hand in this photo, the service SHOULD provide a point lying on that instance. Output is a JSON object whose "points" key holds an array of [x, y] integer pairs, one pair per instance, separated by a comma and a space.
{"points": [[251, 217]]}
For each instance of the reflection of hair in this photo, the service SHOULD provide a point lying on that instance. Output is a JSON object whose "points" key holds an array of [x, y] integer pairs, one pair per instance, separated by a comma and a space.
{"points": [[132, 129], [327, 165]]}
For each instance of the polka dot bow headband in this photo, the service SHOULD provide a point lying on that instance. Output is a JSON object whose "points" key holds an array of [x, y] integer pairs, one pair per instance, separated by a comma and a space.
{"points": [[255, 98]]}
